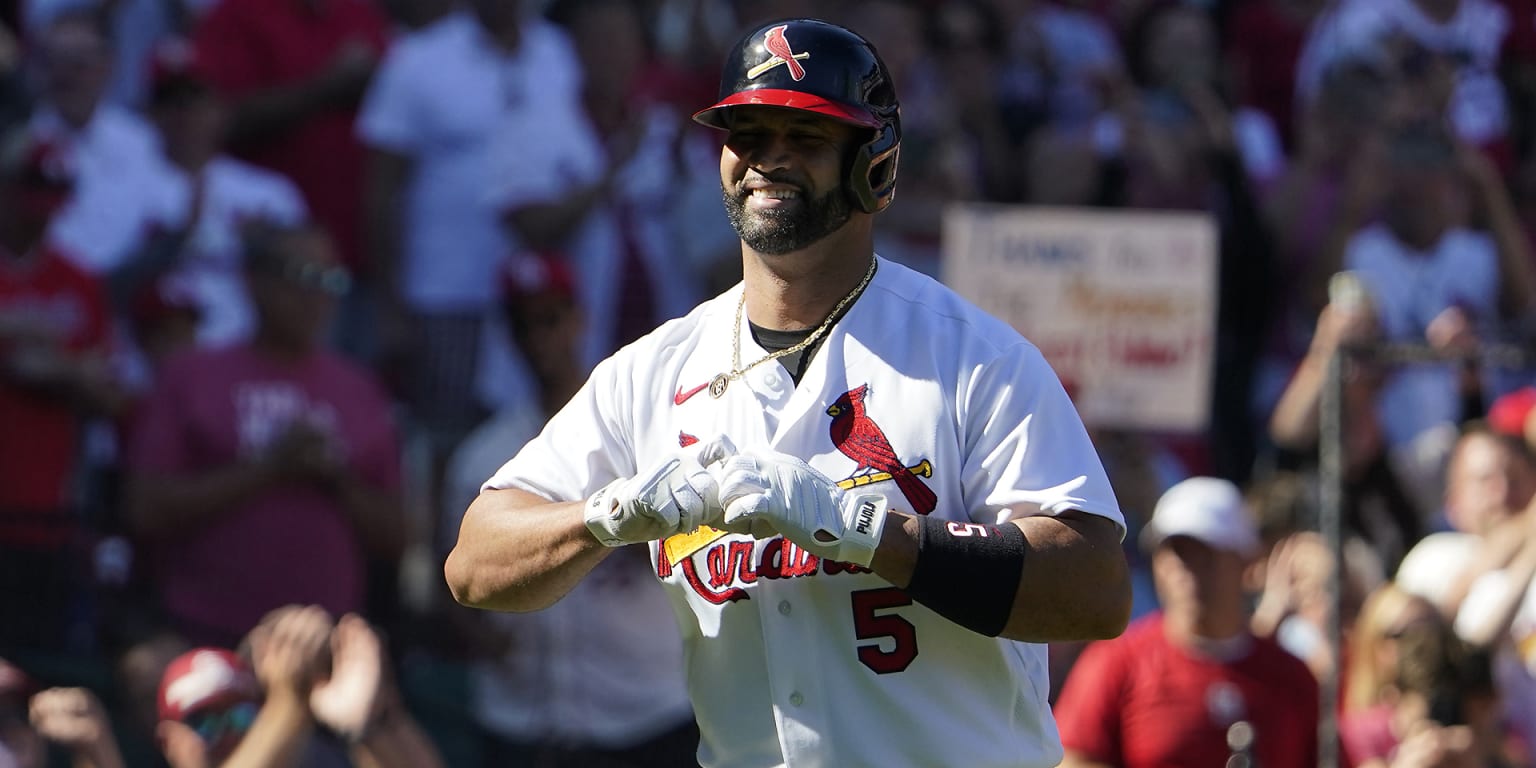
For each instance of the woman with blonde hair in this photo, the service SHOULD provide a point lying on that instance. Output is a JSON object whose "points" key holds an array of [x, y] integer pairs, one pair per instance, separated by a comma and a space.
{"points": [[1372, 662]]}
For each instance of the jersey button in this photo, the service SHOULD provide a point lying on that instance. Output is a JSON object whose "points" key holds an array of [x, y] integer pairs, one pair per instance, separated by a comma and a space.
{"points": [[773, 380], [784, 607], [796, 698]]}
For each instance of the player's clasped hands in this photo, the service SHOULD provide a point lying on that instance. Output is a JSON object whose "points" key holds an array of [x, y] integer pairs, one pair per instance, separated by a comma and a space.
{"points": [[766, 492], [760, 493], [675, 495]]}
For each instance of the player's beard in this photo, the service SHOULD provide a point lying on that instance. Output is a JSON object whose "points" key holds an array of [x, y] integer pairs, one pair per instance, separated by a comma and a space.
{"points": [[777, 232]]}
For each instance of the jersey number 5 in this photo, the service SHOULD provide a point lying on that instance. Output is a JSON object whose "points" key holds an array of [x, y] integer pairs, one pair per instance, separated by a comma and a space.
{"points": [[868, 625]]}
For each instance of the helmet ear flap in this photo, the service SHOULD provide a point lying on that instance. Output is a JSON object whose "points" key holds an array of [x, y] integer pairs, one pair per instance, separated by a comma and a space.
{"points": [[872, 172]]}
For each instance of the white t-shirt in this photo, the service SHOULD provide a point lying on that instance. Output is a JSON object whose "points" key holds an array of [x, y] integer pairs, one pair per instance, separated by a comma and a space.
{"points": [[123, 189], [1409, 290], [440, 97], [800, 662], [601, 667]]}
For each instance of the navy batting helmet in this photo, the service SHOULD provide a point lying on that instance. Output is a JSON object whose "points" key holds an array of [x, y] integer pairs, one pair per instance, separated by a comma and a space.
{"points": [[826, 69]]}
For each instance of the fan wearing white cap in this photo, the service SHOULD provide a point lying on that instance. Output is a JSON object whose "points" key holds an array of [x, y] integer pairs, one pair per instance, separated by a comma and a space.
{"points": [[1190, 684]]}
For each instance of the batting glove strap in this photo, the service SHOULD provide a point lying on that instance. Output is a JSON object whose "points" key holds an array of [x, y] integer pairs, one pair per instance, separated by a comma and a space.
{"points": [[863, 523], [604, 519]]}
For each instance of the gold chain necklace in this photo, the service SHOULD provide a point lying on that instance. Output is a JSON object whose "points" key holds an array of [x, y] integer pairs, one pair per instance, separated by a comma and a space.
{"points": [[718, 384]]}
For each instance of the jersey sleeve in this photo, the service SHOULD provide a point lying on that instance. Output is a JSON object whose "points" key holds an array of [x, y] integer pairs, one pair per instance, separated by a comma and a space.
{"points": [[585, 446], [1027, 447], [1088, 710]]}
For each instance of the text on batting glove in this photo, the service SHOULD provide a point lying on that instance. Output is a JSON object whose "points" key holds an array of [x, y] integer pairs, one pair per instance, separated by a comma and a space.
{"points": [[675, 495], [765, 493]]}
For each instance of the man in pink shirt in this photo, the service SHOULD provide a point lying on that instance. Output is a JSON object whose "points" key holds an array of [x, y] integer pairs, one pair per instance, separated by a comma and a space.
{"points": [[267, 472]]}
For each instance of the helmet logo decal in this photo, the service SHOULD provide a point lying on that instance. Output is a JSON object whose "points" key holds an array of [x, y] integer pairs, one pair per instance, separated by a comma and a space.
{"points": [[774, 41]]}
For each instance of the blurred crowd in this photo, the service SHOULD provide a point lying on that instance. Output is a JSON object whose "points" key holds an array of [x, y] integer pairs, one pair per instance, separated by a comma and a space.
{"points": [[283, 281]]}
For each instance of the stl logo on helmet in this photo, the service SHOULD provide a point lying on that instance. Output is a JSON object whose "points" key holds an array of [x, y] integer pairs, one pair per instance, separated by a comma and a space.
{"points": [[777, 45]]}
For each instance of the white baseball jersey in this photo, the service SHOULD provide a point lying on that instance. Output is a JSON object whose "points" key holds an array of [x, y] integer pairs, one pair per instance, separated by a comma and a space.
{"points": [[797, 661]]}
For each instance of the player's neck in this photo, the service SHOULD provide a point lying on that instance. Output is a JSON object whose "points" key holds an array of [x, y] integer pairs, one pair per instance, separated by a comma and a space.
{"points": [[797, 291]]}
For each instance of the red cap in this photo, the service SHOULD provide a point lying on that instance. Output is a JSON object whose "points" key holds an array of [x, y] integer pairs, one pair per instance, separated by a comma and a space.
{"points": [[202, 678], [1508, 413]]}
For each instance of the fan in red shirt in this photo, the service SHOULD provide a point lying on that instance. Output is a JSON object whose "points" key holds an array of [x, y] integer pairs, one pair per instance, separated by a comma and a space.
{"points": [[1191, 686], [53, 371]]}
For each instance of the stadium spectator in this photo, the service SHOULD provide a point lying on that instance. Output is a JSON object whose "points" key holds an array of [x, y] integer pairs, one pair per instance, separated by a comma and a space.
{"points": [[202, 258], [600, 186], [1434, 279], [443, 95], [596, 679], [1180, 684], [313, 693], [20, 744], [1378, 508], [1498, 612], [123, 192], [1489, 479], [1371, 677], [294, 73], [1444, 53], [74, 719], [1331, 185], [54, 371], [1444, 713], [268, 472]]}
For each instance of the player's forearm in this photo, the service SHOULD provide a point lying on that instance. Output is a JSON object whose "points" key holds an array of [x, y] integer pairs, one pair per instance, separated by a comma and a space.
{"points": [[1076, 583], [519, 552]]}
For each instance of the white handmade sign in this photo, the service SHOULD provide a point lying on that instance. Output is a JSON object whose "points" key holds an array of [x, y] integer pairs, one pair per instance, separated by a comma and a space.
{"points": [[1122, 304]]}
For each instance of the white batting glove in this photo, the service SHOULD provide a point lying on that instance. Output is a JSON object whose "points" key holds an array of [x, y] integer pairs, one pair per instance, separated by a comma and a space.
{"points": [[766, 492], [676, 495]]}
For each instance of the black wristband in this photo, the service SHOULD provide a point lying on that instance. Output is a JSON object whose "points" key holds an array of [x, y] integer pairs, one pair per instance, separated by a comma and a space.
{"points": [[968, 573]]}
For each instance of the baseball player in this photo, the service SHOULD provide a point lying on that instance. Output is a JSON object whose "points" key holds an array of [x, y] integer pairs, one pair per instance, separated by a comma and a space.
{"points": [[870, 503]]}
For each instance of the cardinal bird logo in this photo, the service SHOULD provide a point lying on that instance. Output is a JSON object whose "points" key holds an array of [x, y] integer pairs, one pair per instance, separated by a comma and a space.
{"points": [[859, 438], [776, 44]]}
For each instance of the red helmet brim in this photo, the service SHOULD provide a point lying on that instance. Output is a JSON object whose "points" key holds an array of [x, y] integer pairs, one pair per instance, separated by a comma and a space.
{"points": [[776, 97]]}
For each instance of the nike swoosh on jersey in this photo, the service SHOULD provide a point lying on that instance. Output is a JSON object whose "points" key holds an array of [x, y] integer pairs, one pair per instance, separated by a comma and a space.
{"points": [[683, 395]]}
